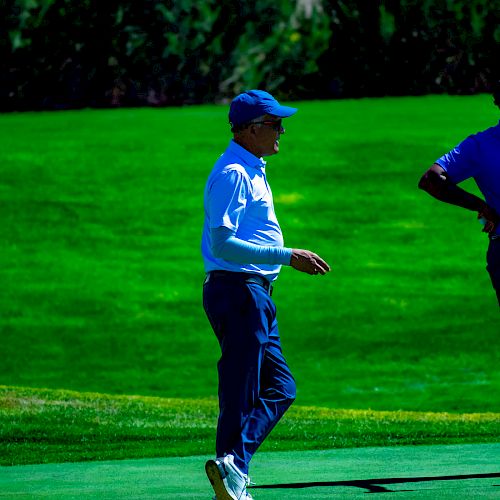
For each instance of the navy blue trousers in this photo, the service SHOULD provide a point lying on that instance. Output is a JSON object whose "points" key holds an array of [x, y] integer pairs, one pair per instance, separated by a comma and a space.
{"points": [[493, 267], [256, 386]]}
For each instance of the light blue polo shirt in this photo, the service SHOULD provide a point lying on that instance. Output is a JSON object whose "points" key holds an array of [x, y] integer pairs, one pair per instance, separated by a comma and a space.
{"points": [[478, 157], [238, 196]]}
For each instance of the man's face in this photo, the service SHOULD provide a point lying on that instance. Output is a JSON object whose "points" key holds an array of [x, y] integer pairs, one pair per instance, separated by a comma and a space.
{"points": [[267, 135]]}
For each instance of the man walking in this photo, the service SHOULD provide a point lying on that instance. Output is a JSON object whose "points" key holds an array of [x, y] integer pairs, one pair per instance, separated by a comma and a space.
{"points": [[478, 156], [243, 251]]}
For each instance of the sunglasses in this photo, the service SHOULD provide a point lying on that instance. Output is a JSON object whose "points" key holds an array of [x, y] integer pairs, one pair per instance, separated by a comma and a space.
{"points": [[274, 124]]}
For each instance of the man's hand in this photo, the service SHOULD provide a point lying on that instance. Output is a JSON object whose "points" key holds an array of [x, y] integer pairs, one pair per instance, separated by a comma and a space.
{"points": [[490, 218], [308, 262]]}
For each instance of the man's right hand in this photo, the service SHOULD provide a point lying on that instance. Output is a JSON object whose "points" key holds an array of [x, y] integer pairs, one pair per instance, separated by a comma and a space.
{"points": [[490, 217], [308, 262]]}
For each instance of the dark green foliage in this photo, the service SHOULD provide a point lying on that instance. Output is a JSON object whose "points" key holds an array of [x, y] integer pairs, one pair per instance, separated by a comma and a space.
{"points": [[410, 47], [61, 53]]}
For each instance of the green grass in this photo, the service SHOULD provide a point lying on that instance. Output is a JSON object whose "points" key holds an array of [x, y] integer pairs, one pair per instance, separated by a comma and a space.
{"points": [[101, 216], [43, 426], [463, 471]]}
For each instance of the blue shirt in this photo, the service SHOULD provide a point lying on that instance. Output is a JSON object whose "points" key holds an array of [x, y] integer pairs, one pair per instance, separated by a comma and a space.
{"points": [[478, 157], [238, 197]]}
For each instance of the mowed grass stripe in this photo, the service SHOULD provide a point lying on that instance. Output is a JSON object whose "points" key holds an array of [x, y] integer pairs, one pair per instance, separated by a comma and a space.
{"points": [[45, 425], [101, 216]]}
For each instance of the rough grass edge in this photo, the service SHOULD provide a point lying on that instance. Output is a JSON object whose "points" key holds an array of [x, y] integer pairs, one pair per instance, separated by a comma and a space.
{"points": [[57, 425]]}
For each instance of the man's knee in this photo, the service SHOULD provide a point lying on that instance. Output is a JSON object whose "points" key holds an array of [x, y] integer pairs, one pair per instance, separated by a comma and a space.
{"points": [[289, 401], [290, 393]]}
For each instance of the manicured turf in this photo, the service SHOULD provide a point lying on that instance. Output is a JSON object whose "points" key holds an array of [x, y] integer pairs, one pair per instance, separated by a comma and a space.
{"points": [[430, 472], [101, 216], [54, 426], [101, 273]]}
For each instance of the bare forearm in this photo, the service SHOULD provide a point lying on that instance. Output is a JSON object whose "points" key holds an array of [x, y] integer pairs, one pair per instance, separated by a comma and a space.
{"points": [[442, 189]]}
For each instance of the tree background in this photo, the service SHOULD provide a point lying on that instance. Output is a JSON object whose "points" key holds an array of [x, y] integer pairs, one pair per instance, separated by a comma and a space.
{"points": [[64, 54]]}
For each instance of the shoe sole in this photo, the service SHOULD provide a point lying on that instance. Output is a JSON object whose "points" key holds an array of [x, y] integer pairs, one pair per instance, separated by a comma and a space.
{"points": [[215, 478]]}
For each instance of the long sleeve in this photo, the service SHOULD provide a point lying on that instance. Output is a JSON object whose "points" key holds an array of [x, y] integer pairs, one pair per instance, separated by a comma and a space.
{"points": [[225, 245]]}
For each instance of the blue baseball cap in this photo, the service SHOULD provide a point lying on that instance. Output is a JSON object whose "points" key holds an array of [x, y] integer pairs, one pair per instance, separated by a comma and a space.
{"points": [[253, 103]]}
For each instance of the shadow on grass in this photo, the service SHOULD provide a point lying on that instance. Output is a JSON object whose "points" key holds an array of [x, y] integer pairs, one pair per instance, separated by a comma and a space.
{"points": [[374, 485]]}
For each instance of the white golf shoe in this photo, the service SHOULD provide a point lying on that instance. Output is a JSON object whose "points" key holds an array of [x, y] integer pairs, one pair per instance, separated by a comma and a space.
{"points": [[228, 482]]}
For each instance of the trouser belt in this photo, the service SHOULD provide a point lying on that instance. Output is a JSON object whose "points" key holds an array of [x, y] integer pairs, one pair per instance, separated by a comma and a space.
{"points": [[245, 277]]}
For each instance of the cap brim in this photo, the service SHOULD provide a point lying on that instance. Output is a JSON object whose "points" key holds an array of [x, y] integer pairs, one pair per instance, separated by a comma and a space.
{"points": [[283, 111]]}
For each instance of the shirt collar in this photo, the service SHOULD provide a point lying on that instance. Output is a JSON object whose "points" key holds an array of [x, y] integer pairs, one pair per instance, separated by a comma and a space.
{"points": [[248, 158]]}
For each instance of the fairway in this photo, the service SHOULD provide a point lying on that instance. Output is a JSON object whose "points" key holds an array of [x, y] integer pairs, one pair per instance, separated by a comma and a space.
{"points": [[102, 213], [106, 351], [430, 472]]}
